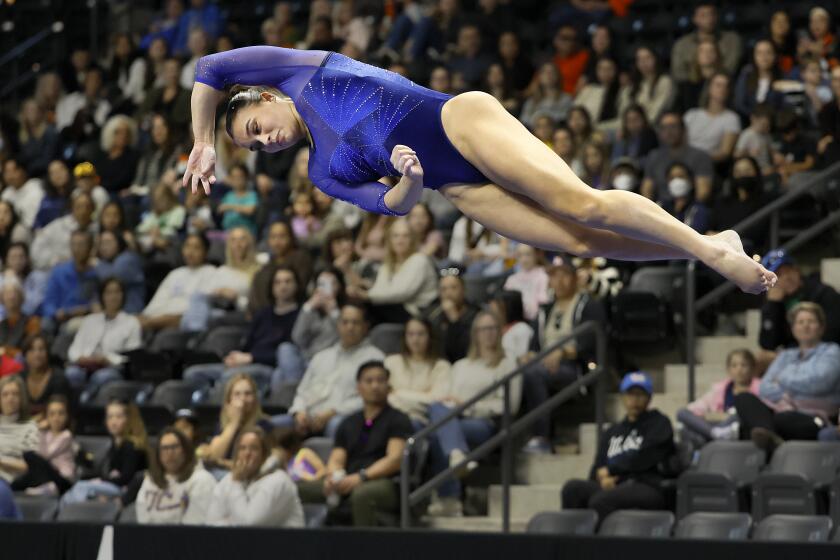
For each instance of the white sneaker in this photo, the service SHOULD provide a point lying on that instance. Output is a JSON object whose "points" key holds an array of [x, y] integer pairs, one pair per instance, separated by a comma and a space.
{"points": [[446, 507], [456, 457], [727, 433]]}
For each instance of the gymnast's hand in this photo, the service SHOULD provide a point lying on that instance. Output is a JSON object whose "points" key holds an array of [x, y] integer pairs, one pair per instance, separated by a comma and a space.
{"points": [[406, 162], [201, 167]]}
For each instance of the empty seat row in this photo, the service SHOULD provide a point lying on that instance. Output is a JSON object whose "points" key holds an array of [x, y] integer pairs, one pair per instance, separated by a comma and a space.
{"points": [[701, 525]]}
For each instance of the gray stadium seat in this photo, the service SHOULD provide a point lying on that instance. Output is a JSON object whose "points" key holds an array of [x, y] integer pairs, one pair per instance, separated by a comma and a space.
{"points": [[223, 339], [797, 479], [123, 390], [566, 522], [320, 445], [37, 508], [94, 447], [638, 523], [173, 394], [479, 289], [799, 528], [719, 482], [94, 511], [388, 337], [315, 515], [128, 514], [714, 525], [656, 279]]}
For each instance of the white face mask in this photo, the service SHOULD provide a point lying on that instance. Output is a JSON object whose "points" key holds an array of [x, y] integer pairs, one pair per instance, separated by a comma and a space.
{"points": [[624, 182], [679, 187]]}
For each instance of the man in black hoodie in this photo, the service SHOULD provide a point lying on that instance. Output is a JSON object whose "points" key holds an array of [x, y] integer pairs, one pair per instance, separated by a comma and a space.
{"points": [[626, 473]]}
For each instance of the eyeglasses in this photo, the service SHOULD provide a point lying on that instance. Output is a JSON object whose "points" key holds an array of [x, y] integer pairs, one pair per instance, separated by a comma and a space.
{"points": [[451, 271]]}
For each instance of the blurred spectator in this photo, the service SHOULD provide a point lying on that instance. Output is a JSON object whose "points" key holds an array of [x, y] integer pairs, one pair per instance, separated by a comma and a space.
{"points": [[156, 56], [18, 434], [544, 127], [707, 62], [650, 86], [625, 474], [580, 124], [316, 327], [160, 155], [453, 318], [816, 92], [168, 98], [57, 189], [405, 283], [41, 379], [352, 26], [228, 290], [239, 205], [101, 340], [87, 181], [51, 470], [418, 376], [125, 72], [497, 85], [50, 246], [570, 57], [791, 288], [485, 364], [546, 97], [601, 46], [73, 69], [172, 297], [326, 394], [370, 241], [112, 218], [305, 223], [705, 22], [441, 80], [682, 202], [625, 175], [200, 14], [795, 153], [320, 37], [573, 305], [800, 390], [430, 239], [340, 254], [596, 165], [600, 96], [117, 161], [48, 92], [530, 279], [712, 415], [828, 147], [475, 247], [368, 449], [517, 335], [125, 457], [198, 45], [755, 82], [286, 29], [563, 144], [747, 198], [674, 148], [264, 355], [11, 230], [71, 287], [241, 411], [636, 138], [160, 226], [249, 497], [783, 37], [517, 67], [198, 212], [755, 140], [282, 251], [91, 100], [468, 59], [116, 260], [34, 282], [38, 138], [23, 192], [176, 489], [16, 327], [822, 42], [713, 127]]}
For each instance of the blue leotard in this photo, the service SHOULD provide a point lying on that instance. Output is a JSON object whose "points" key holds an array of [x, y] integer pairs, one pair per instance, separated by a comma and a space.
{"points": [[356, 114]]}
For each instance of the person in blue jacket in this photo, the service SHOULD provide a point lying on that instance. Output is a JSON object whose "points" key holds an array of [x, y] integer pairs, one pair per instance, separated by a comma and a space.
{"points": [[365, 123]]}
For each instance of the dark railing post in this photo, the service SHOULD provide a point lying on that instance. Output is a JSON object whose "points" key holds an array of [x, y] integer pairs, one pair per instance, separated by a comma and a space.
{"points": [[405, 465], [601, 384], [94, 28], [507, 461], [690, 323], [774, 229]]}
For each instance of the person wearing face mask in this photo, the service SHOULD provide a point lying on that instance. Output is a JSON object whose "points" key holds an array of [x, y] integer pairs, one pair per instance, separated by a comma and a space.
{"points": [[682, 204], [746, 197], [625, 175]]}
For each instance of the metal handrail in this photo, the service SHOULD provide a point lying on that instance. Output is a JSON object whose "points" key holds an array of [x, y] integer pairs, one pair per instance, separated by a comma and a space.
{"points": [[771, 210], [21, 48], [508, 431]]}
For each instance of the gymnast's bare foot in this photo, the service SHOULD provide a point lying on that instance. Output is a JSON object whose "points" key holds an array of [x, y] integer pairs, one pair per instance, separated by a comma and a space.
{"points": [[733, 264]]}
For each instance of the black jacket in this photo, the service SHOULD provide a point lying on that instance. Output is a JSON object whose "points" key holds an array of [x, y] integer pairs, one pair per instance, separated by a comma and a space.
{"points": [[775, 331], [636, 450], [588, 308]]}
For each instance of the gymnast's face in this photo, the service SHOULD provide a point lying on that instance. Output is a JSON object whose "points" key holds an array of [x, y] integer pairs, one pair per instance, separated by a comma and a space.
{"points": [[270, 125]]}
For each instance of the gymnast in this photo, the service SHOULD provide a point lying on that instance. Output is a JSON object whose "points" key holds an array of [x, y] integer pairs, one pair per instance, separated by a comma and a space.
{"points": [[364, 123]]}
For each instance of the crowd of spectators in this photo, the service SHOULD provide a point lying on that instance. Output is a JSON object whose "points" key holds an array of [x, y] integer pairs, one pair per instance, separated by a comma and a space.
{"points": [[105, 257]]}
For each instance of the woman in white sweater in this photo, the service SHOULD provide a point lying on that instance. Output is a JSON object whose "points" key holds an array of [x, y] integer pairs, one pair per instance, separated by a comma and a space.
{"points": [[176, 490], [18, 434], [406, 283], [485, 363], [517, 335], [419, 376], [250, 497]]}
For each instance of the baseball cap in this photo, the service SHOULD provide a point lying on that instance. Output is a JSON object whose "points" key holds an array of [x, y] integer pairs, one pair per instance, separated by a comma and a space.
{"points": [[84, 169], [775, 259], [636, 379]]}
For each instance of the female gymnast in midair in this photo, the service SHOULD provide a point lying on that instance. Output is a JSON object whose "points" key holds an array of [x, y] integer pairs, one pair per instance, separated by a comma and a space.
{"points": [[365, 123]]}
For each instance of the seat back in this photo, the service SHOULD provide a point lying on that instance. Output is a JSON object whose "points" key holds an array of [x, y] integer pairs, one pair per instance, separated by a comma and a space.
{"points": [[121, 390], [700, 491], [740, 461], [717, 526], [94, 448], [37, 508], [94, 511], [782, 494], [322, 446], [658, 280], [129, 514], [479, 289], [388, 337], [173, 394], [566, 522], [638, 523], [315, 515], [222, 340], [799, 528], [817, 461], [640, 318]]}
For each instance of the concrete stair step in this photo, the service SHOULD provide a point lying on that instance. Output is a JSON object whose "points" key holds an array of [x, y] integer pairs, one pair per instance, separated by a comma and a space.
{"points": [[753, 323], [830, 272], [713, 349], [705, 375], [474, 524], [551, 469], [527, 501]]}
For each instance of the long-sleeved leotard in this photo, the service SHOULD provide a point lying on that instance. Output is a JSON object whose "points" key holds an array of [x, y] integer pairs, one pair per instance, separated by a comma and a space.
{"points": [[356, 114]]}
